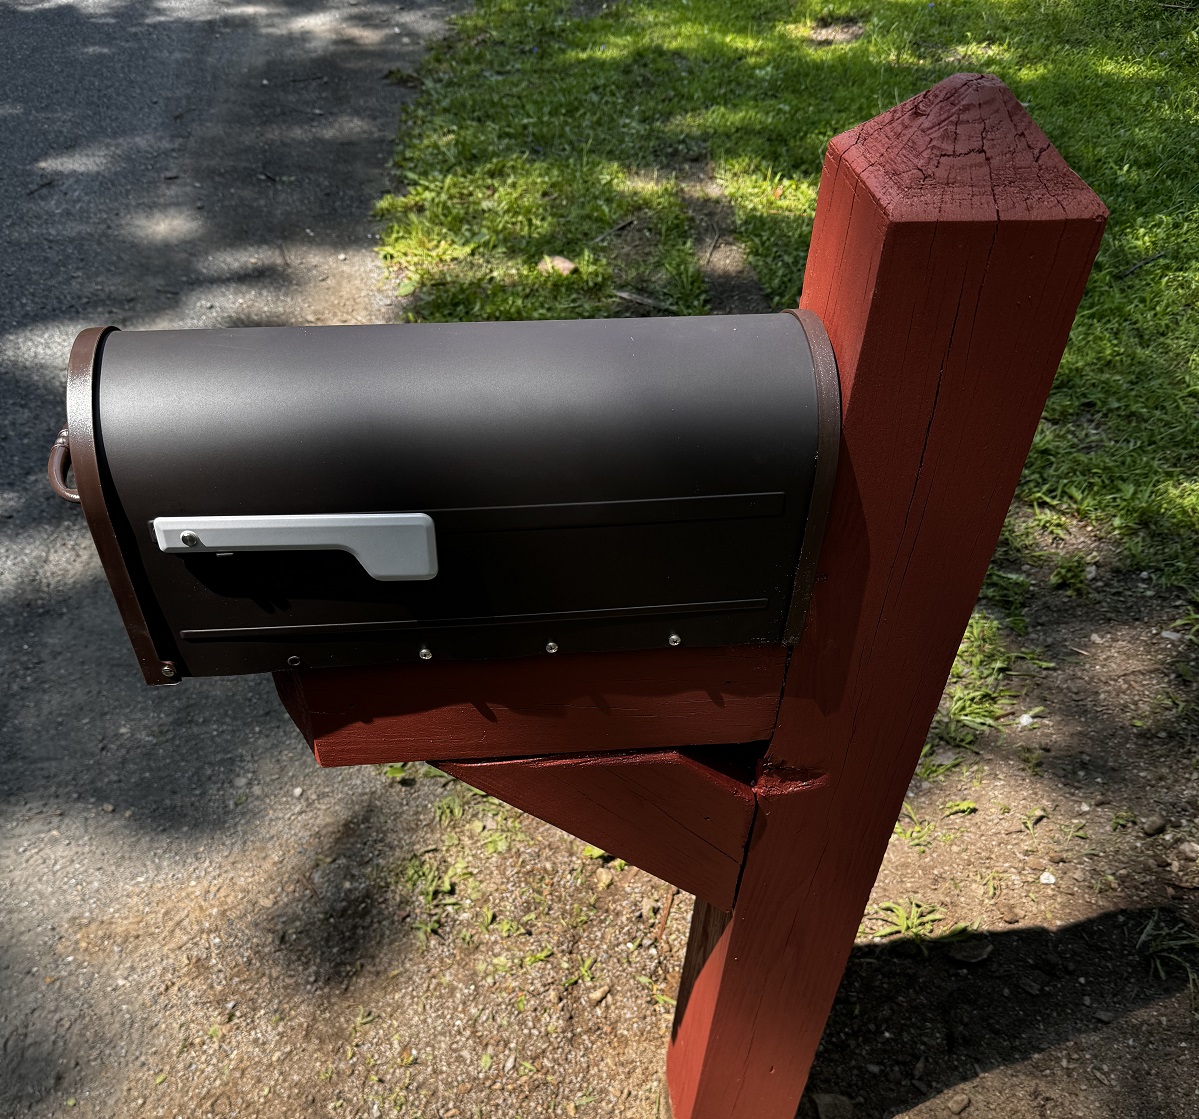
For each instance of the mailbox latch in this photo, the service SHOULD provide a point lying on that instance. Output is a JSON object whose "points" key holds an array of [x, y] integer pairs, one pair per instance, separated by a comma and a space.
{"points": [[390, 546]]}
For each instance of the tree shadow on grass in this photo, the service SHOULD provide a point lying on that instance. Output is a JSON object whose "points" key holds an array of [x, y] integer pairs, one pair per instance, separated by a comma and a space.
{"points": [[540, 105]]}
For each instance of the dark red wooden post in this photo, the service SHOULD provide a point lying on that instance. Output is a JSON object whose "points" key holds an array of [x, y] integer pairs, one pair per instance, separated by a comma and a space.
{"points": [[951, 247]]}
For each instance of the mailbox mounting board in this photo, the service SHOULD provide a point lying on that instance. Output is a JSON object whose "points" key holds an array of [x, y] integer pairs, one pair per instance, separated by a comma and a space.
{"points": [[590, 485]]}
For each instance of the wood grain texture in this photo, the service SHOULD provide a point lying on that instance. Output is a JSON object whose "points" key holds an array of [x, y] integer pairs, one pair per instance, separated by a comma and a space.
{"points": [[950, 250], [661, 810], [578, 704]]}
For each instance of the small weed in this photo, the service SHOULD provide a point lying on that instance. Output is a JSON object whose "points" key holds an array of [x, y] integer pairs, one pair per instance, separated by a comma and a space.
{"points": [[501, 831], [579, 916], [1006, 591], [447, 810], [363, 1019], [1045, 519], [585, 974], [914, 832], [655, 991], [930, 768], [976, 699], [1032, 760], [991, 882], [538, 957], [1106, 883], [1070, 575], [496, 842], [427, 927], [440, 890], [1030, 820], [959, 808], [1123, 820], [913, 921], [1073, 831], [429, 882], [1171, 942], [399, 772]]}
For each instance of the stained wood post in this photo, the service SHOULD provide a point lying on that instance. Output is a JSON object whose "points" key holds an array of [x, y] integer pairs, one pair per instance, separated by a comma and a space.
{"points": [[951, 247]]}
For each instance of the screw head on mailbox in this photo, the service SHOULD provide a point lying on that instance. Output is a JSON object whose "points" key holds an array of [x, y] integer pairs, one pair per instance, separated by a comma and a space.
{"points": [[457, 481]]}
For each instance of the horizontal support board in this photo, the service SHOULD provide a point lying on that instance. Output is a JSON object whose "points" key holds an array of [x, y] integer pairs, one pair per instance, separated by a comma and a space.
{"points": [[653, 699]]}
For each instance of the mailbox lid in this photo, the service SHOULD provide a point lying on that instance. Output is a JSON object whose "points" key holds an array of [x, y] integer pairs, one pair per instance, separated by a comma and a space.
{"points": [[597, 484]]}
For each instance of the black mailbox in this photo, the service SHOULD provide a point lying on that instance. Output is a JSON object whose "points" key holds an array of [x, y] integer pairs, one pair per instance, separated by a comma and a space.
{"points": [[267, 497]]}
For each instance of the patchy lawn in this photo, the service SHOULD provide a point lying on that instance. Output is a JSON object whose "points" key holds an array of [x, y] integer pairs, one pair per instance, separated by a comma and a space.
{"points": [[1030, 946], [580, 129]]}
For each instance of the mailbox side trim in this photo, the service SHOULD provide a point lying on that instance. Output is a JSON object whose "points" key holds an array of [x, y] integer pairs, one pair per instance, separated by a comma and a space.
{"points": [[83, 438], [828, 446]]}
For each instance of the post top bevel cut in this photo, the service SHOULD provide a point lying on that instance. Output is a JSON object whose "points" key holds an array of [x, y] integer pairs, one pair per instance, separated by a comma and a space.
{"points": [[973, 144]]}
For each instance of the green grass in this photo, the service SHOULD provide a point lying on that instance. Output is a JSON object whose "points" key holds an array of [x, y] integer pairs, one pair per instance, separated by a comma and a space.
{"points": [[978, 696], [912, 921], [912, 830], [542, 127], [1169, 943]]}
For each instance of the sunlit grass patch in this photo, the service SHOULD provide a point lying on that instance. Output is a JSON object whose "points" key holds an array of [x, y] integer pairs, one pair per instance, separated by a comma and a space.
{"points": [[543, 125]]}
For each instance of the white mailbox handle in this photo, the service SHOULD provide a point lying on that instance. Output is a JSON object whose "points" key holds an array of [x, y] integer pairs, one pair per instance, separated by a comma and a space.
{"points": [[388, 545]]}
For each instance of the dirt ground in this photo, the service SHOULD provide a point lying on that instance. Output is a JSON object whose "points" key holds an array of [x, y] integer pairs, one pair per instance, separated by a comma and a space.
{"points": [[199, 922], [1078, 845], [302, 941]]}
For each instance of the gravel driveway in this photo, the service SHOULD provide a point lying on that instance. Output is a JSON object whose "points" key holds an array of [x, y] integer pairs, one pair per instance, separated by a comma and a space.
{"points": [[175, 164]]}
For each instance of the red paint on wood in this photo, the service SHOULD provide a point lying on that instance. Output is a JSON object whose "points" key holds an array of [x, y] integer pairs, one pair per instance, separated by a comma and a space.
{"points": [[662, 811], [950, 250], [546, 705]]}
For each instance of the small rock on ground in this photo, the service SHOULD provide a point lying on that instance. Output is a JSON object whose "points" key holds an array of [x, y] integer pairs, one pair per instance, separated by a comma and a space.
{"points": [[831, 1106], [1007, 911], [973, 950]]}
